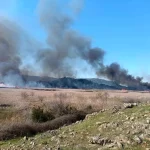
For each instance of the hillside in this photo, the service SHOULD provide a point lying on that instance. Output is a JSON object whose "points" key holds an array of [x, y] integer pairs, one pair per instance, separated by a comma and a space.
{"points": [[71, 83], [127, 128], [76, 83]]}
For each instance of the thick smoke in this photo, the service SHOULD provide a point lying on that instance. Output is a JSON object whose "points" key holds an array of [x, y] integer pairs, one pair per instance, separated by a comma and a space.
{"points": [[64, 44], [12, 53], [9, 48], [119, 75]]}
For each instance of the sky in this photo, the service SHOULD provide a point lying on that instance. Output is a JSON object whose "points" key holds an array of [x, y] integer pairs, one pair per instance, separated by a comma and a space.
{"points": [[120, 27]]}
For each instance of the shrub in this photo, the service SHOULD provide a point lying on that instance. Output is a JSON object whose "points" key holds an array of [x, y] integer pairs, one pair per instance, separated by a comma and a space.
{"points": [[59, 108], [89, 109], [102, 95], [60, 96], [20, 130], [32, 94], [38, 115], [103, 98], [41, 98], [5, 105], [24, 95]]}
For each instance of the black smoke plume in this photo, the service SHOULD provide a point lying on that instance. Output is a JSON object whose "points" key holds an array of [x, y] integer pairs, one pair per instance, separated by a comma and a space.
{"points": [[64, 43], [119, 75], [9, 48]]}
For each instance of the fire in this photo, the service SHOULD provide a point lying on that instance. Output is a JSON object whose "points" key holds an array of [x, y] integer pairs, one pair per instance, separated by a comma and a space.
{"points": [[124, 91]]}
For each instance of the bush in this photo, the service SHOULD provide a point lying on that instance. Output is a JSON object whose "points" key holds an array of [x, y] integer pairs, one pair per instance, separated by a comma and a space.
{"points": [[20, 130], [59, 108], [24, 95], [38, 115], [41, 98], [103, 98], [89, 109]]}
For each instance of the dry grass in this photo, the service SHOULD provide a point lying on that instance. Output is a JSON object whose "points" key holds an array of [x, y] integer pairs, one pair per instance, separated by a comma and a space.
{"points": [[24, 95], [13, 96], [23, 100], [16, 104]]}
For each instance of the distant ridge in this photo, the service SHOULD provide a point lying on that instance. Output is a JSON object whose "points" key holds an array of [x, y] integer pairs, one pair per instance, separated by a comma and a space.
{"points": [[77, 83]]}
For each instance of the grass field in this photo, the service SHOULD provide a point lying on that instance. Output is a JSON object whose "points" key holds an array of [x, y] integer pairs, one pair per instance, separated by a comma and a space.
{"points": [[61, 106], [16, 104]]}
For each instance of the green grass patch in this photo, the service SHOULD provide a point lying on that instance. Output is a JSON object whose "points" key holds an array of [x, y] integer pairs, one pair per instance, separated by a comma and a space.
{"points": [[88, 128]]}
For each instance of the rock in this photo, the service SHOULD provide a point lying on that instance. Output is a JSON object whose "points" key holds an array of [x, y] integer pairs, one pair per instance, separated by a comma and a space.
{"points": [[58, 148], [146, 126], [101, 123], [98, 123], [72, 133], [120, 145], [142, 136], [31, 139], [127, 118], [25, 138], [129, 105], [120, 112], [104, 126], [114, 125], [137, 139], [32, 143], [100, 141], [94, 139], [135, 104], [64, 136], [53, 132], [63, 132], [60, 136], [53, 138], [148, 121], [132, 118], [132, 127], [136, 131], [91, 115], [70, 130]]}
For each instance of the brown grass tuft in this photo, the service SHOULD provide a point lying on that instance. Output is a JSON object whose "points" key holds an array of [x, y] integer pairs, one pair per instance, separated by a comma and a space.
{"points": [[24, 95]]}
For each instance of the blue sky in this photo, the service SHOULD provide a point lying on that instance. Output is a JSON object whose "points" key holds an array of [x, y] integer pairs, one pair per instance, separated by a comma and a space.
{"points": [[120, 27]]}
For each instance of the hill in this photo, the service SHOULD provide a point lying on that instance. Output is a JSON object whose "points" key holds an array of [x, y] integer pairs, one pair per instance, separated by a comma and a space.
{"points": [[127, 128], [76, 83]]}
